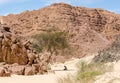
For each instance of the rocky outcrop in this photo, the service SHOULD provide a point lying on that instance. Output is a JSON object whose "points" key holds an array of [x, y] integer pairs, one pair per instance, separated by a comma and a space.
{"points": [[12, 50], [18, 57], [111, 54]]}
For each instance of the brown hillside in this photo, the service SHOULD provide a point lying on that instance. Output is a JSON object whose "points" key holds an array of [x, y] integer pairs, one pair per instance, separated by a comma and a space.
{"points": [[90, 30]]}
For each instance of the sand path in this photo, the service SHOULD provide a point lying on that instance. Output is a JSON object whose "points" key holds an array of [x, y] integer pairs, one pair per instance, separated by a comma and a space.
{"points": [[50, 77]]}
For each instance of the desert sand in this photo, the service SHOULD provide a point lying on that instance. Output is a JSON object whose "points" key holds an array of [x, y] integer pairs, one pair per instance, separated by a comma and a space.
{"points": [[57, 72], [51, 77]]}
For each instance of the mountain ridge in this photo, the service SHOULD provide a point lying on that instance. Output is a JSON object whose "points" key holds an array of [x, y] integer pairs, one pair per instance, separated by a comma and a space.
{"points": [[91, 29]]}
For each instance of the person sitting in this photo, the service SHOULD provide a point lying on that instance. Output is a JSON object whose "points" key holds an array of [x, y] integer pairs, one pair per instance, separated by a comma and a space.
{"points": [[65, 68]]}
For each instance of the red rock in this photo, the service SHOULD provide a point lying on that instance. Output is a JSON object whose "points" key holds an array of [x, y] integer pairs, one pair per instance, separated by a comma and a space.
{"points": [[2, 72], [19, 70], [29, 70]]}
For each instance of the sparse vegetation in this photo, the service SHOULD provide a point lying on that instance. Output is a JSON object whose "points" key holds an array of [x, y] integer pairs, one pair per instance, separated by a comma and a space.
{"points": [[37, 47], [86, 73], [51, 41]]}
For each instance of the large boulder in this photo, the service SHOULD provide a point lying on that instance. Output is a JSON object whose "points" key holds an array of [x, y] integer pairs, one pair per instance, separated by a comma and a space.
{"points": [[12, 49], [18, 70]]}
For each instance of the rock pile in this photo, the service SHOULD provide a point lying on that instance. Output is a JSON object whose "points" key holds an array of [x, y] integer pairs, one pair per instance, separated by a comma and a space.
{"points": [[11, 49], [18, 56]]}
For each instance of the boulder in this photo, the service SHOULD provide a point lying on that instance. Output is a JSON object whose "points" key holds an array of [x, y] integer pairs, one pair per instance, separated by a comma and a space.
{"points": [[31, 57], [42, 67], [18, 70], [2, 72], [36, 67], [29, 70], [12, 49]]}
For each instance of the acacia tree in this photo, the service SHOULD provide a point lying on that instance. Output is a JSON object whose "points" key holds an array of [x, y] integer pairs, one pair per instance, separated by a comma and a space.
{"points": [[52, 41]]}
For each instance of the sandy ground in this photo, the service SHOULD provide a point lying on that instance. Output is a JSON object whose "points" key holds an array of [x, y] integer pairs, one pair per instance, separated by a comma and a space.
{"points": [[58, 72], [112, 76], [51, 77]]}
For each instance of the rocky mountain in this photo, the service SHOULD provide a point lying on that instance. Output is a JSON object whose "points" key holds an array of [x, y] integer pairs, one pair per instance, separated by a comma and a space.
{"points": [[90, 29]]}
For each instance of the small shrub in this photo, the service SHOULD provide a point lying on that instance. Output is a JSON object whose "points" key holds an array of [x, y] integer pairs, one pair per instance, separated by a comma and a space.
{"points": [[37, 47], [86, 73]]}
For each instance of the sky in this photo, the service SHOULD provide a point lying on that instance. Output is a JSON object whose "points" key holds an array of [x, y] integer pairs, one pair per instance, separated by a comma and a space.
{"points": [[18, 6]]}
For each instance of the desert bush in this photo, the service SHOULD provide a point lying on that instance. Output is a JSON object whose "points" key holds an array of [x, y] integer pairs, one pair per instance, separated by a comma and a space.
{"points": [[37, 47], [51, 41], [86, 73]]}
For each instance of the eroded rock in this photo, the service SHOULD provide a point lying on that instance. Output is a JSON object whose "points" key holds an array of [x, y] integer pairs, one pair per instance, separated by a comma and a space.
{"points": [[19, 70], [18, 56], [29, 70]]}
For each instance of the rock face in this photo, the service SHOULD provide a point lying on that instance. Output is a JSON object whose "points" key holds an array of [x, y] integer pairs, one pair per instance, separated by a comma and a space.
{"points": [[90, 30], [112, 53], [12, 50], [18, 57]]}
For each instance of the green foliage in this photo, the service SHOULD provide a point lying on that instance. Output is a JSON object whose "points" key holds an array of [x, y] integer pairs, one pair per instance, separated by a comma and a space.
{"points": [[88, 72], [52, 40], [37, 47], [2, 64]]}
